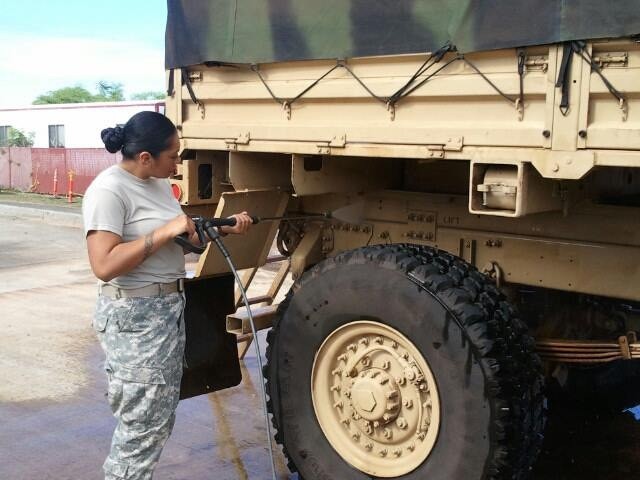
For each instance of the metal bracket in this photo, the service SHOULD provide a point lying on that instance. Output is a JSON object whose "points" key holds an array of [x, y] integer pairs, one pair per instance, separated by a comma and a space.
{"points": [[327, 240], [624, 107], [201, 109], [286, 106], [391, 107], [491, 269], [454, 144], [195, 76], [435, 151], [520, 109], [537, 62], [338, 141], [242, 139], [616, 60]]}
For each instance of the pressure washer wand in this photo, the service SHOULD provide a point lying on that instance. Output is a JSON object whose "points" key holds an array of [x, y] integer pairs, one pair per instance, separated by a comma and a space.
{"points": [[231, 221], [204, 224]]}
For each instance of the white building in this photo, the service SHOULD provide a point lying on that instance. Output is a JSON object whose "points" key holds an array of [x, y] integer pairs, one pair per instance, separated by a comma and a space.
{"points": [[71, 125]]}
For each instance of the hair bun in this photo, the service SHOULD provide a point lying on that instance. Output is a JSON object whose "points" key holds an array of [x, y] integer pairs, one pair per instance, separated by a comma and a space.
{"points": [[113, 139]]}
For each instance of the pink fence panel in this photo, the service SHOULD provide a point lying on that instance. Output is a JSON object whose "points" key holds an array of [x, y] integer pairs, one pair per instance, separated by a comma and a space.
{"points": [[86, 163], [5, 168], [34, 169], [21, 171], [45, 163]]}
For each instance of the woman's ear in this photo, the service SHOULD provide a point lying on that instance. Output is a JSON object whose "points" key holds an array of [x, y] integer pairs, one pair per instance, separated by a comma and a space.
{"points": [[145, 158]]}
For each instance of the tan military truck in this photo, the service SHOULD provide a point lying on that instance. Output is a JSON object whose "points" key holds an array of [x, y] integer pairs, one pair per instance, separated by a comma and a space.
{"points": [[461, 224]]}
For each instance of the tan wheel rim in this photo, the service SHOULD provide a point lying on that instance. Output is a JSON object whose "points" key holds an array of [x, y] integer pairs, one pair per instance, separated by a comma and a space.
{"points": [[375, 399]]}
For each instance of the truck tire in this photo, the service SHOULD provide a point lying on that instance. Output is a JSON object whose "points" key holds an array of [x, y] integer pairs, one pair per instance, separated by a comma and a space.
{"points": [[402, 361]]}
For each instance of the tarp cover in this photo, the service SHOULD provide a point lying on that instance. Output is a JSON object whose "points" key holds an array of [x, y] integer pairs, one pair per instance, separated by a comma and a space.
{"points": [[259, 31]]}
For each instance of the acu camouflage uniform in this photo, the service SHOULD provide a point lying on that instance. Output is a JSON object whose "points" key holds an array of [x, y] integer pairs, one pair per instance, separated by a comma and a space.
{"points": [[143, 339]]}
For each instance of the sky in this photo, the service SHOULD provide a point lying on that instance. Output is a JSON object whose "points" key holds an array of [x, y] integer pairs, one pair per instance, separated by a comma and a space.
{"points": [[50, 44]]}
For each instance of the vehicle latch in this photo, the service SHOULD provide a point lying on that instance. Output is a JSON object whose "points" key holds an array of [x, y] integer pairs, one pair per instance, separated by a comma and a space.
{"points": [[537, 62], [617, 60]]}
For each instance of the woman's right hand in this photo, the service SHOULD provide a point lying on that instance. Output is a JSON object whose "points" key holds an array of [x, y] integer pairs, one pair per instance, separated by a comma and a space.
{"points": [[179, 225]]}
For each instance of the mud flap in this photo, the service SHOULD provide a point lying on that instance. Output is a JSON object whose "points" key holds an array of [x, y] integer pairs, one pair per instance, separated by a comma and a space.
{"points": [[211, 354]]}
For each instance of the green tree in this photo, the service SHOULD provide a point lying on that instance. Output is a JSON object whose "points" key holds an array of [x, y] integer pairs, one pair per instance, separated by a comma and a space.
{"points": [[18, 138], [109, 92], [149, 95], [75, 94]]}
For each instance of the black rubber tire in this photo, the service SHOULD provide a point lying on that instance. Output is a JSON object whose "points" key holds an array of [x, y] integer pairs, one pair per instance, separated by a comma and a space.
{"points": [[489, 378]]}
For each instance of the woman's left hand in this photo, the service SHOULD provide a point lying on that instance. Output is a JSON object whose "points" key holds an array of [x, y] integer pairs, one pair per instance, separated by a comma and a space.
{"points": [[243, 222]]}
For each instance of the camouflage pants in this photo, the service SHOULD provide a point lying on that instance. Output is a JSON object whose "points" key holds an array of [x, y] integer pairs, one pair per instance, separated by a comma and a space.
{"points": [[143, 340]]}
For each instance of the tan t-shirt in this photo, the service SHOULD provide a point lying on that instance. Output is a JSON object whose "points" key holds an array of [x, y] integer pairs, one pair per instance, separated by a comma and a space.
{"points": [[119, 202]]}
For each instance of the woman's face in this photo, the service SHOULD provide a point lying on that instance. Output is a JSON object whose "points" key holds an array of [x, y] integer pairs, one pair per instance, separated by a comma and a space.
{"points": [[164, 164]]}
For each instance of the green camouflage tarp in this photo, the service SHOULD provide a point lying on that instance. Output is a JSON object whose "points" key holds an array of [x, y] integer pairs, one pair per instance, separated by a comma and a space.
{"points": [[258, 31]]}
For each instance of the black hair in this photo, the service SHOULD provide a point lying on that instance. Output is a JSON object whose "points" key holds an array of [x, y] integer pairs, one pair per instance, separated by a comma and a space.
{"points": [[144, 132]]}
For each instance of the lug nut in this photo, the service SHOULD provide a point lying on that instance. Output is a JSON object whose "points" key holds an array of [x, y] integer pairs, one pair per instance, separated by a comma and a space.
{"points": [[342, 358], [378, 340], [401, 381], [386, 365], [335, 388], [421, 435], [408, 403], [336, 371], [411, 447], [338, 404], [397, 452], [394, 344], [352, 346], [356, 436], [383, 452], [366, 361], [368, 445], [401, 422], [364, 341], [387, 433]]}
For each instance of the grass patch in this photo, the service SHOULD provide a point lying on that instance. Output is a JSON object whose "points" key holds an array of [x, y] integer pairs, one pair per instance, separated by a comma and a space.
{"points": [[7, 195]]}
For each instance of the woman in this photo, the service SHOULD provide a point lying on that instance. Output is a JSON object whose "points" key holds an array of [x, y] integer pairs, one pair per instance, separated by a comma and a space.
{"points": [[130, 220]]}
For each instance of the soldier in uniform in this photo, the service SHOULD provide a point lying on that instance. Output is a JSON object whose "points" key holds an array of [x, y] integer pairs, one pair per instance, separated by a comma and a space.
{"points": [[130, 220]]}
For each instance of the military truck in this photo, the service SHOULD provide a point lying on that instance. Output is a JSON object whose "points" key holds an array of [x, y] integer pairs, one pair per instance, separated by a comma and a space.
{"points": [[461, 184]]}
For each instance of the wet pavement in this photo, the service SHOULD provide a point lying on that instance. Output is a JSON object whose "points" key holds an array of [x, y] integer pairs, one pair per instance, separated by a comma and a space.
{"points": [[55, 422]]}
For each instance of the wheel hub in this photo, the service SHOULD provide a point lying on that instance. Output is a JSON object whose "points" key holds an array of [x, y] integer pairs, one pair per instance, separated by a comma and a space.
{"points": [[375, 398]]}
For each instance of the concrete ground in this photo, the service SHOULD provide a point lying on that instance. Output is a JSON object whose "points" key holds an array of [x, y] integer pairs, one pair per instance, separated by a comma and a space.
{"points": [[55, 422], [54, 419]]}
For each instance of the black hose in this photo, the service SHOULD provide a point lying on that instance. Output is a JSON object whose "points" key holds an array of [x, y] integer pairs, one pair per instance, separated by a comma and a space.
{"points": [[212, 231]]}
